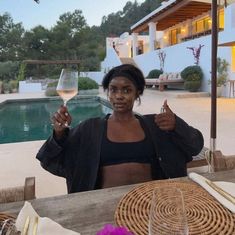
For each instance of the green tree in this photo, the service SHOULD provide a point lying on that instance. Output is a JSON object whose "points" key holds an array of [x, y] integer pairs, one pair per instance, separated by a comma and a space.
{"points": [[21, 75], [70, 38], [116, 23], [10, 38], [65, 36], [35, 43], [8, 70]]}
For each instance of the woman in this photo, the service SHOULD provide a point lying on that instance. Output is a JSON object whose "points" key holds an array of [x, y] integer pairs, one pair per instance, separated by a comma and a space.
{"points": [[122, 148]]}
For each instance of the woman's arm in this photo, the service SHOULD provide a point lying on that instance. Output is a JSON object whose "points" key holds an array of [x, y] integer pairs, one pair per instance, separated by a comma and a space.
{"points": [[188, 138], [51, 155]]}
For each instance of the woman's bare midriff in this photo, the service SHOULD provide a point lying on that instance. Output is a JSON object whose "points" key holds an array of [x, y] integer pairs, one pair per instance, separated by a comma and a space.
{"points": [[125, 173]]}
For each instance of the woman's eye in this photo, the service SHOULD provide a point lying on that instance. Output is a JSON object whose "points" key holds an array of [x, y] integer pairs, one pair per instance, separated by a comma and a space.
{"points": [[126, 91], [113, 90]]}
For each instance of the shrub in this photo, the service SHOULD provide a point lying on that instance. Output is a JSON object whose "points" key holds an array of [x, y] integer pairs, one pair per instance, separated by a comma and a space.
{"points": [[222, 72], [192, 73], [155, 73], [13, 85], [192, 76], [86, 83], [8, 70], [192, 86], [51, 89], [52, 84], [6, 87]]}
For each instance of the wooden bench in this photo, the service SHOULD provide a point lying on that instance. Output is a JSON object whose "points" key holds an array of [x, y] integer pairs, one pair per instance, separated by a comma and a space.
{"points": [[20, 193], [222, 162], [165, 79]]}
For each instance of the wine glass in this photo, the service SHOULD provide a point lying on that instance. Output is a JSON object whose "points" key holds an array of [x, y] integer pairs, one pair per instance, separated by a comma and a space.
{"points": [[67, 86], [167, 212]]}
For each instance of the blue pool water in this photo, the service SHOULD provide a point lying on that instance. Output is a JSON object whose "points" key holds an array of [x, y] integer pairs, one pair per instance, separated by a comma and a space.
{"points": [[30, 120]]}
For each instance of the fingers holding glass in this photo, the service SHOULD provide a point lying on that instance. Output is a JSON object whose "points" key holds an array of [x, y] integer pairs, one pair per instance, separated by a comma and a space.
{"points": [[61, 119]]}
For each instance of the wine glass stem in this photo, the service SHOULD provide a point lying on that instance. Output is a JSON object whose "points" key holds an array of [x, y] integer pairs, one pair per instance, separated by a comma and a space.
{"points": [[65, 104]]}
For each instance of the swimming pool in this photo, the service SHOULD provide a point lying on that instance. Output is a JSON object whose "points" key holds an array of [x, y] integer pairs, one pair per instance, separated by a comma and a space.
{"points": [[30, 120]]}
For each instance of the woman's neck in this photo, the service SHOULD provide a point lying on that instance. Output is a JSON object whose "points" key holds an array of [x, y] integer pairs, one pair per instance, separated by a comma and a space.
{"points": [[122, 116]]}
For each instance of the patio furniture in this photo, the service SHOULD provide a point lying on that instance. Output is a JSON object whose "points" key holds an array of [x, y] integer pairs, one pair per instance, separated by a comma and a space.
{"points": [[165, 79], [20, 193], [231, 88], [88, 212], [222, 162]]}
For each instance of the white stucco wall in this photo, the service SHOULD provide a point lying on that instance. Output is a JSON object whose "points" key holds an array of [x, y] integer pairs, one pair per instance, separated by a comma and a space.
{"points": [[25, 87], [178, 57], [111, 60], [228, 35]]}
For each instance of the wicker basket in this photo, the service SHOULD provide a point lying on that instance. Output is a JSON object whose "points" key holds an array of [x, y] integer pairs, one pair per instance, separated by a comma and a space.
{"points": [[205, 215], [7, 221]]}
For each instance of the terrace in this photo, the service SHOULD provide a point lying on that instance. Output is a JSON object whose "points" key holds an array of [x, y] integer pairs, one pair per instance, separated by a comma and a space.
{"points": [[23, 153]]}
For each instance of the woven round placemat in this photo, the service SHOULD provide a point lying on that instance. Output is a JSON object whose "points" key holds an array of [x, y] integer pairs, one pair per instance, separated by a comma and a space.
{"points": [[205, 215]]}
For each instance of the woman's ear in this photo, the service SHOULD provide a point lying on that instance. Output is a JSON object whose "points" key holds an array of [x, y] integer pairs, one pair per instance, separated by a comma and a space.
{"points": [[137, 95]]}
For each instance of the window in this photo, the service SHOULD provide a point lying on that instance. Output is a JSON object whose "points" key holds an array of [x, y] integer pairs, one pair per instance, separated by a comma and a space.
{"points": [[175, 36], [200, 26], [221, 18], [233, 59], [207, 23]]}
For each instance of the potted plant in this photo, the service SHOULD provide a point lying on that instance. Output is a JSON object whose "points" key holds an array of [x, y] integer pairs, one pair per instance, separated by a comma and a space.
{"points": [[222, 75], [192, 76]]}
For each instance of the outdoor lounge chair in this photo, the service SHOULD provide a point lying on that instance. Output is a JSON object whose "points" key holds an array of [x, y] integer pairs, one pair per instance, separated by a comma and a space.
{"points": [[20, 193], [222, 162], [165, 79]]}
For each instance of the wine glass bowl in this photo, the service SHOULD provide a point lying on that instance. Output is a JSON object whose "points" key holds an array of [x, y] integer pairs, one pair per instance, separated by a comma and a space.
{"points": [[67, 86], [167, 212]]}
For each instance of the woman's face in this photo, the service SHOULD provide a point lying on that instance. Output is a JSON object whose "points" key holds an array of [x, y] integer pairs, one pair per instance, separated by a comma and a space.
{"points": [[122, 94]]}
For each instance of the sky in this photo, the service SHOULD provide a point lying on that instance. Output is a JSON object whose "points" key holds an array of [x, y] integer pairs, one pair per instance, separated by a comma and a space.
{"points": [[47, 12]]}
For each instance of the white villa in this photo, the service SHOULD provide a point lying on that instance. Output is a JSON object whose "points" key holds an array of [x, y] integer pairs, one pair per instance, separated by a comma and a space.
{"points": [[171, 28]]}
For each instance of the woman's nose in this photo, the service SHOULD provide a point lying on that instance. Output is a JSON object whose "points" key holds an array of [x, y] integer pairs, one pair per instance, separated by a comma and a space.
{"points": [[119, 93]]}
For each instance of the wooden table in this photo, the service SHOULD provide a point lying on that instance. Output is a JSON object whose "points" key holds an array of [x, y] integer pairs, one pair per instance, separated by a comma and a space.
{"points": [[88, 212]]}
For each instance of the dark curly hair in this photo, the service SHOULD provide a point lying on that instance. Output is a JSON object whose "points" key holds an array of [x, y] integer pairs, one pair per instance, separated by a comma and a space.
{"points": [[129, 71]]}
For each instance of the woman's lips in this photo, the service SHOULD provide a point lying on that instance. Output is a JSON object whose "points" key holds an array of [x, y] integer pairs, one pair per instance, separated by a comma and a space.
{"points": [[119, 105]]}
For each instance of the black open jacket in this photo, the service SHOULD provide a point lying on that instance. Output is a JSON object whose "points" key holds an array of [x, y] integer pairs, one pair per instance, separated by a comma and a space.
{"points": [[77, 156]]}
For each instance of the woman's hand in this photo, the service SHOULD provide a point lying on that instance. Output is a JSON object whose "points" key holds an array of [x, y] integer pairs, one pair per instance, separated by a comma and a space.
{"points": [[61, 120], [165, 120]]}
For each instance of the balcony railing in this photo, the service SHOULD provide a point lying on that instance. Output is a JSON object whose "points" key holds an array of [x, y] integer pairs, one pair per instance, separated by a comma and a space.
{"points": [[199, 34]]}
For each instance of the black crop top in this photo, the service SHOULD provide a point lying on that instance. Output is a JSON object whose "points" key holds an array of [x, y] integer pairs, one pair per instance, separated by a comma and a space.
{"points": [[116, 153]]}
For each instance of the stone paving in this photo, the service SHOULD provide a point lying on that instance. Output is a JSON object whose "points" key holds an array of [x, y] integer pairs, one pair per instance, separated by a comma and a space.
{"points": [[18, 159]]}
